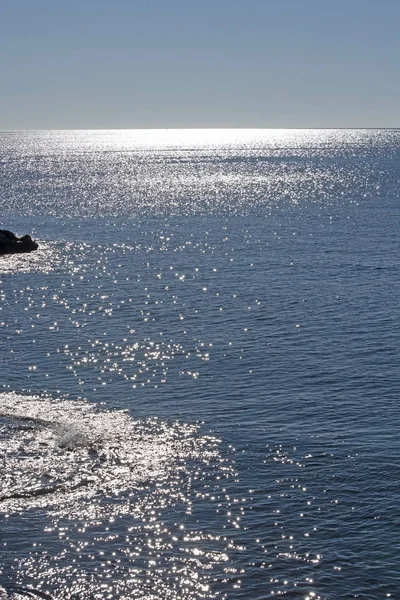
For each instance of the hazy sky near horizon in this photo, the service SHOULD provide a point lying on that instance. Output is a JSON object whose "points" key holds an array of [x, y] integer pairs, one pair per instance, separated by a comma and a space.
{"points": [[199, 63]]}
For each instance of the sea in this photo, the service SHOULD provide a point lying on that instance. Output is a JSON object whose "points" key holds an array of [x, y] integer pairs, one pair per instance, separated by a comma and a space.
{"points": [[200, 365]]}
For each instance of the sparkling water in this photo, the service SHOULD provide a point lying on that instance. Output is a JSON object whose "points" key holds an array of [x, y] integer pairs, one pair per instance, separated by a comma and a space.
{"points": [[200, 365]]}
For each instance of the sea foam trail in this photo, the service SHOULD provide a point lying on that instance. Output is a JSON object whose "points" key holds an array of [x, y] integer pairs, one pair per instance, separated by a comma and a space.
{"points": [[102, 498], [55, 450], [22, 594]]}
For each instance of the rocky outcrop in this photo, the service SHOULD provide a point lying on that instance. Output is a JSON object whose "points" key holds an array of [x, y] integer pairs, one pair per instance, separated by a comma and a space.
{"points": [[11, 244]]}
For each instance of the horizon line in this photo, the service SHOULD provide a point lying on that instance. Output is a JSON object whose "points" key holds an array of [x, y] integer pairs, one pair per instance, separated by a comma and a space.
{"points": [[226, 128]]}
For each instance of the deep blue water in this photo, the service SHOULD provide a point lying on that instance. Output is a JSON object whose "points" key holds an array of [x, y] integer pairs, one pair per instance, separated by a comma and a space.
{"points": [[200, 365]]}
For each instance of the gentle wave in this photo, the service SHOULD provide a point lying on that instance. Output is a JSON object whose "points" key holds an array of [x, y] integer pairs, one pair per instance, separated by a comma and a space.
{"points": [[20, 593]]}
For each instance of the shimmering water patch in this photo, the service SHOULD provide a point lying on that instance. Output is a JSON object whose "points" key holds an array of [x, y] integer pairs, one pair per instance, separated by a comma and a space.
{"points": [[193, 172], [114, 506]]}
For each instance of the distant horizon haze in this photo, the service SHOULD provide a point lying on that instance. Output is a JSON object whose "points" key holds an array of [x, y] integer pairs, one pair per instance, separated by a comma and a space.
{"points": [[184, 64], [187, 129]]}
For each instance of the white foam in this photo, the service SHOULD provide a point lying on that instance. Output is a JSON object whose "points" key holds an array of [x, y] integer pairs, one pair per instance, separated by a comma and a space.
{"points": [[55, 451]]}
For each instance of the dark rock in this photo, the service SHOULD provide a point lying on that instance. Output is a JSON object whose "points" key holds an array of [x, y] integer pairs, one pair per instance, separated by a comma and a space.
{"points": [[9, 234], [11, 244], [28, 243]]}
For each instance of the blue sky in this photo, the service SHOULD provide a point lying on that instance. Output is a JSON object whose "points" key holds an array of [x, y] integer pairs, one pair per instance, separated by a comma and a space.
{"points": [[206, 63]]}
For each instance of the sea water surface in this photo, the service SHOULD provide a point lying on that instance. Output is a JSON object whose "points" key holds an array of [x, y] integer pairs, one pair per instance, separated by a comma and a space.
{"points": [[200, 366]]}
